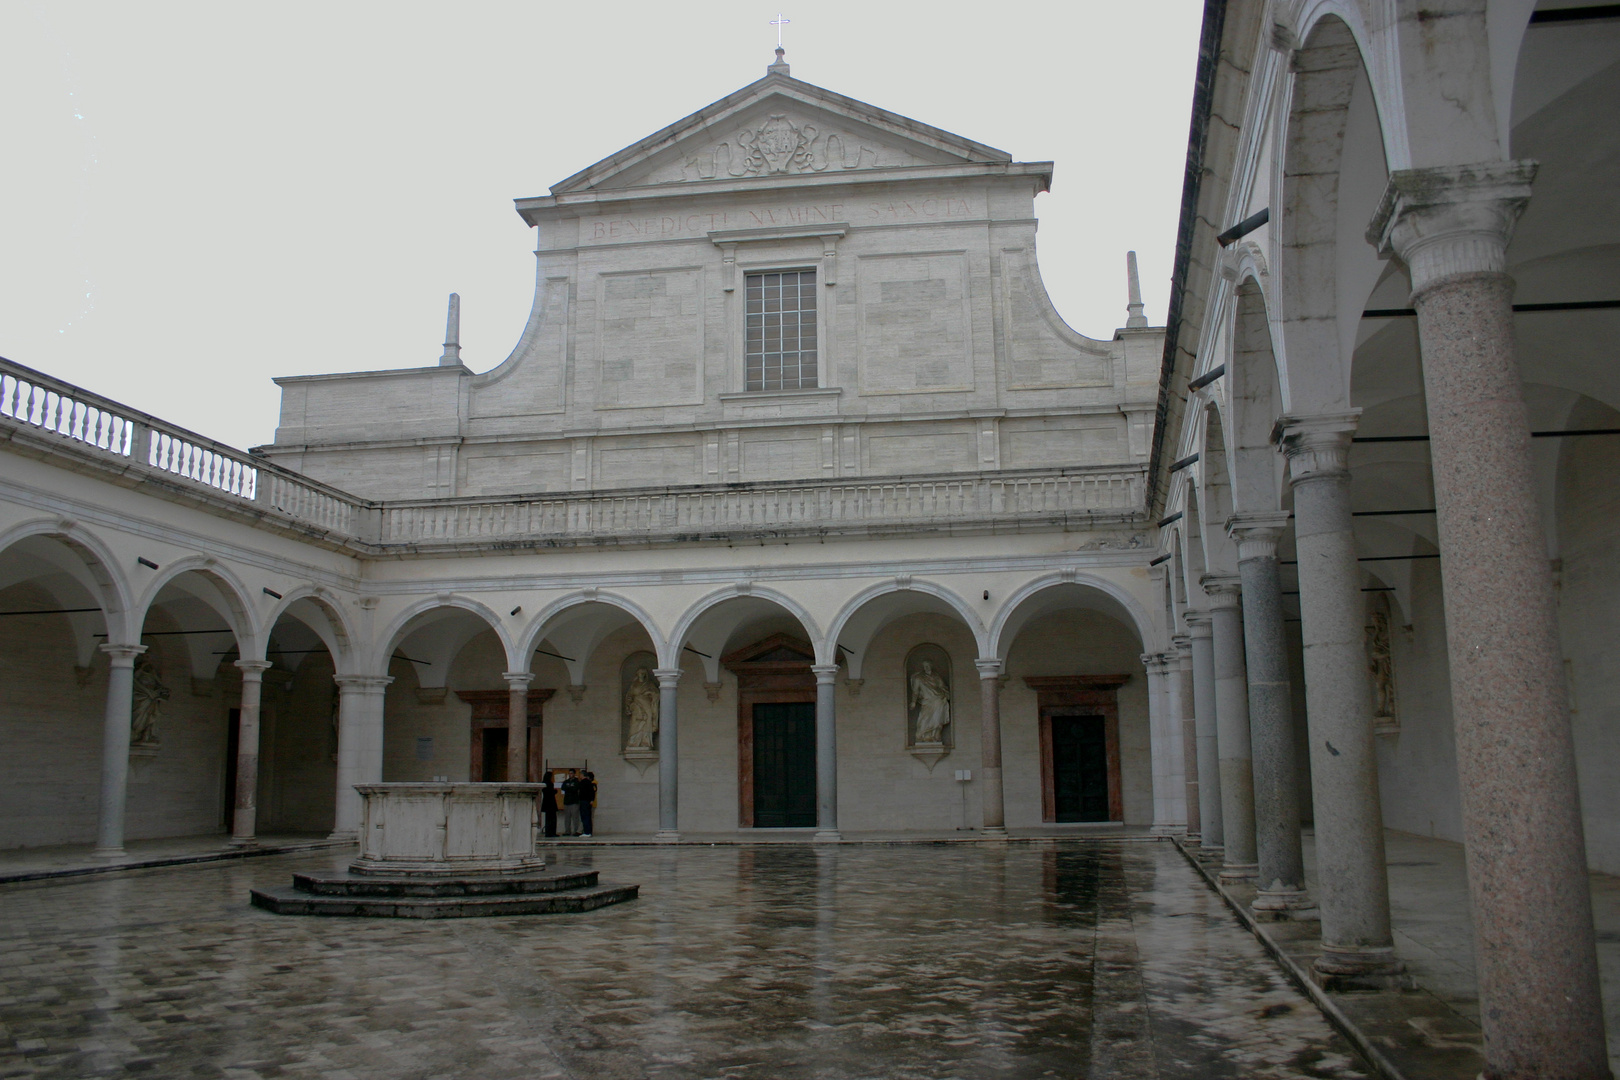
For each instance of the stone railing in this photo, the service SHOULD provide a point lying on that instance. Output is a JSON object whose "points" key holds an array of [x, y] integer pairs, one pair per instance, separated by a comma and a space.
{"points": [[770, 508], [123, 437], [50, 416]]}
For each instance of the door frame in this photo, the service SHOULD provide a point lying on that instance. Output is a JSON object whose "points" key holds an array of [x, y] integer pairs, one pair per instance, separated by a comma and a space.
{"points": [[492, 709], [1086, 695], [772, 671]]}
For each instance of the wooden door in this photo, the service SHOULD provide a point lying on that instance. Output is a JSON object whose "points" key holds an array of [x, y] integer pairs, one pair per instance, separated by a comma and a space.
{"points": [[784, 765], [1079, 768]]}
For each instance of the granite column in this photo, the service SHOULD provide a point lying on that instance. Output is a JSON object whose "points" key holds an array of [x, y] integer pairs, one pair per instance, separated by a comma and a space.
{"points": [[669, 772], [1179, 681], [115, 748], [1352, 885], [360, 746], [517, 726], [1282, 893], [1232, 729], [1534, 942], [245, 810], [994, 806], [1212, 833], [826, 752]]}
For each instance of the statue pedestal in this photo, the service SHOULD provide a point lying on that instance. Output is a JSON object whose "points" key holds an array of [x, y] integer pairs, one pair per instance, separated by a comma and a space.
{"points": [[641, 758], [447, 829], [929, 753]]}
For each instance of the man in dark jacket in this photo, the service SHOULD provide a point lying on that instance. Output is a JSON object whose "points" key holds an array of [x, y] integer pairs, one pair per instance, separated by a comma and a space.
{"points": [[570, 799], [587, 802], [548, 805]]}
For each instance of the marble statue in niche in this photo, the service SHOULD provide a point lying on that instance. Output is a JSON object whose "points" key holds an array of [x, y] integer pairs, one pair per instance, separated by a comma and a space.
{"points": [[638, 713], [1381, 665], [928, 697], [147, 705]]}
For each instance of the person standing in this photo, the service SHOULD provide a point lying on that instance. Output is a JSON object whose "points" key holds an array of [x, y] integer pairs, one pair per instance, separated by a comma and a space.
{"points": [[587, 802], [548, 805], [570, 798]]}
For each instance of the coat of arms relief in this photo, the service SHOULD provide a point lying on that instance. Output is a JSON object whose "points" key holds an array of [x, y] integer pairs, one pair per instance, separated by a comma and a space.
{"points": [[777, 147]]}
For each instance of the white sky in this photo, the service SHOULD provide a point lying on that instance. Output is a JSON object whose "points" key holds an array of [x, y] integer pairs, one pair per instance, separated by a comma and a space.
{"points": [[195, 197]]}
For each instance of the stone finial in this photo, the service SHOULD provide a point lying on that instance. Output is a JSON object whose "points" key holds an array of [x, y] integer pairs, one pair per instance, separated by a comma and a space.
{"points": [[452, 334], [781, 65], [1134, 318]]}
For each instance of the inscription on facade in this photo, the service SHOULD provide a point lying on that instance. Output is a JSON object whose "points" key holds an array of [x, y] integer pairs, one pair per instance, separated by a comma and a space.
{"points": [[675, 226]]}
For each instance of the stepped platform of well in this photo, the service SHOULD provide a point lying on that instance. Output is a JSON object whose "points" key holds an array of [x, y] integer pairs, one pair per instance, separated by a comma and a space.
{"points": [[470, 896]]}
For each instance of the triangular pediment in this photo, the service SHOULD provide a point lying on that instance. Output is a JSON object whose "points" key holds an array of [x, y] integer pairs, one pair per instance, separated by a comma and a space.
{"points": [[776, 649], [778, 128]]}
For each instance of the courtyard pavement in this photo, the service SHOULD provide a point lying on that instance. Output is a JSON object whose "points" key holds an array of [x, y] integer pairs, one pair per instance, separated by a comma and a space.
{"points": [[1053, 959]]}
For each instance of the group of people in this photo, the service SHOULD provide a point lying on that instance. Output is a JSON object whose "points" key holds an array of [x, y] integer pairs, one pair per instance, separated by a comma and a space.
{"points": [[574, 798]]}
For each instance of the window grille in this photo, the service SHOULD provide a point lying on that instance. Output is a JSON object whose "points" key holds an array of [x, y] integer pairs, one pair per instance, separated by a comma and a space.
{"points": [[780, 332]]}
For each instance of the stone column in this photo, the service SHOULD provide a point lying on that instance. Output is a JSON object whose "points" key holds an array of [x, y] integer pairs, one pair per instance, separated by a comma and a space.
{"points": [[991, 794], [826, 752], [1352, 884], [1179, 680], [1282, 893], [1534, 941], [115, 749], [1235, 766], [1212, 834], [360, 745], [1164, 731], [244, 819], [669, 772], [517, 725]]}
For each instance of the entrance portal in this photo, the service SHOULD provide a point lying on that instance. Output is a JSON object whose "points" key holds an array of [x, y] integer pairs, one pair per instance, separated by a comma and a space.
{"points": [[785, 765], [495, 742], [1079, 768]]}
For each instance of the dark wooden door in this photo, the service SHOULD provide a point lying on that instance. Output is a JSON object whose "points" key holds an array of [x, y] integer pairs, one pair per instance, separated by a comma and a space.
{"points": [[495, 742], [1080, 768], [785, 765]]}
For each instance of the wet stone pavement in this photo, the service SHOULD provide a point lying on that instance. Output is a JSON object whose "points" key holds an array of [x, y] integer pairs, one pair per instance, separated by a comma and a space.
{"points": [[1056, 959]]}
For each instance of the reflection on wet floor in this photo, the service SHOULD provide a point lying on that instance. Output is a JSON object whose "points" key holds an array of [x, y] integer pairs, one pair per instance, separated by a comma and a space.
{"points": [[1060, 959]]}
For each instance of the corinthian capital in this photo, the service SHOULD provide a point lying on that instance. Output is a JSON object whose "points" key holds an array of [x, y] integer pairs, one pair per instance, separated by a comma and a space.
{"points": [[1449, 220], [1318, 447]]}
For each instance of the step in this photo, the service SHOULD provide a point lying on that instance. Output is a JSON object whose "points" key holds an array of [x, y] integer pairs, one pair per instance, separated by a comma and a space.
{"points": [[471, 885], [290, 901]]}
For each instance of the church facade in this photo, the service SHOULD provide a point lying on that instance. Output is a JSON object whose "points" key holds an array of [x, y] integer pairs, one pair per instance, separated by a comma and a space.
{"points": [[794, 456]]}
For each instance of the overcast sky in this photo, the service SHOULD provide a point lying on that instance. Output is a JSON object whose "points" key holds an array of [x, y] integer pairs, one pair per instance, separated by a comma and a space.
{"points": [[196, 197]]}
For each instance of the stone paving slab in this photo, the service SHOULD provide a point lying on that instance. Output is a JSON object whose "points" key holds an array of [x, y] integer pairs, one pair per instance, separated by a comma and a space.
{"points": [[76, 860], [920, 962], [1407, 1034]]}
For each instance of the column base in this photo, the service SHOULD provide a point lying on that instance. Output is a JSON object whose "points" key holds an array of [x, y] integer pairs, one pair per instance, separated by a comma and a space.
{"points": [[1167, 830], [994, 832], [344, 834], [1353, 970], [1238, 873], [828, 836], [108, 853], [667, 836], [1282, 904], [242, 842]]}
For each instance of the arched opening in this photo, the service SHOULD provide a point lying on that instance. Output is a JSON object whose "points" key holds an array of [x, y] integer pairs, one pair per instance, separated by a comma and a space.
{"points": [[58, 602], [909, 719], [446, 712], [756, 706], [183, 729], [1076, 740], [600, 654]]}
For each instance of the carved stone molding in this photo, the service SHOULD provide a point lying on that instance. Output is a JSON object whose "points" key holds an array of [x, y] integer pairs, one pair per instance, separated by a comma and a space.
{"points": [[1318, 447], [1256, 534], [1224, 591], [1451, 220]]}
